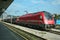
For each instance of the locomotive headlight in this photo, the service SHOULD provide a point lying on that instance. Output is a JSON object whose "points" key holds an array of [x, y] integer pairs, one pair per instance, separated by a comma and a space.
{"points": [[40, 17]]}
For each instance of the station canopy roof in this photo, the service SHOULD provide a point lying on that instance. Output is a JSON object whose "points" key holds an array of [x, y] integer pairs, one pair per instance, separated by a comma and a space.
{"points": [[4, 4]]}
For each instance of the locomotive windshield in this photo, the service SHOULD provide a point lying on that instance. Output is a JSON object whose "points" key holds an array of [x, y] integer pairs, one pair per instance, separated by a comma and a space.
{"points": [[48, 15]]}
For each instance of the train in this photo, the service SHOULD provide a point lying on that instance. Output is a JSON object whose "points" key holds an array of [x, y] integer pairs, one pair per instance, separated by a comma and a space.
{"points": [[42, 19], [9, 20]]}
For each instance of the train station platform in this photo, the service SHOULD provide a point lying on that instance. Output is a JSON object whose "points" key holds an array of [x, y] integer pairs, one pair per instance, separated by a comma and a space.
{"points": [[42, 34], [6, 34]]}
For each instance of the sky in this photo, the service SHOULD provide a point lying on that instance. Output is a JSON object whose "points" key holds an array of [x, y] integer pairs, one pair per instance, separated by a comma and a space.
{"points": [[18, 7]]}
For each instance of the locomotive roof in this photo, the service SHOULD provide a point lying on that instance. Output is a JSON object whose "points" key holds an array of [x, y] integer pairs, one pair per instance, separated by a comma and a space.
{"points": [[29, 14]]}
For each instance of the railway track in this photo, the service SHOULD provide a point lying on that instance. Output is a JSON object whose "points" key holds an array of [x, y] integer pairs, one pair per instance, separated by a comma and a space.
{"points": [[55, 31]]}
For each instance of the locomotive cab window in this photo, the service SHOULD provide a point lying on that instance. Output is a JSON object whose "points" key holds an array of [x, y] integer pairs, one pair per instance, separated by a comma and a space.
{"points": [[48, 15]]}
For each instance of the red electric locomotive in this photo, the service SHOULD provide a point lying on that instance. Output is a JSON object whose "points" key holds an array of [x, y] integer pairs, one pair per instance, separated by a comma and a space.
{"points": [[41, 19]]}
